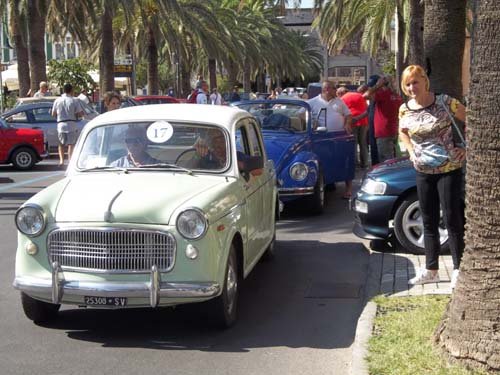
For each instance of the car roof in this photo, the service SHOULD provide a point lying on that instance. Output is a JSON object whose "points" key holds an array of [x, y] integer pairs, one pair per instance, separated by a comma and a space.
{"points": [[41, 99], [197, 113]]}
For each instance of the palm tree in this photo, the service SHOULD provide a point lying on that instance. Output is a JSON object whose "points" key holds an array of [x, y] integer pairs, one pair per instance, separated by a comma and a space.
{"points": [[444, 40], [470, 328], [36, 16], [18, 30]]}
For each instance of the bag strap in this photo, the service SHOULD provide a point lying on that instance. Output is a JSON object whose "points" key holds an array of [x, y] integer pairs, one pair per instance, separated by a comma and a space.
{"points": [[453, 121]]}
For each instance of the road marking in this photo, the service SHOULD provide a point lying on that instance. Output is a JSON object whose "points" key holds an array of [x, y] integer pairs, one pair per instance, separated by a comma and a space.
{"points": [[27, 182]]}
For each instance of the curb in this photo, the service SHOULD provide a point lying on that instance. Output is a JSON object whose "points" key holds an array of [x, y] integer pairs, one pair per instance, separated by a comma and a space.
{"points": [[363, 333]]}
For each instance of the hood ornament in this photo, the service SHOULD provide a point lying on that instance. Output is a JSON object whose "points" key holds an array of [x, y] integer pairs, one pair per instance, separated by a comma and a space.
{"points": [[108, 216]]}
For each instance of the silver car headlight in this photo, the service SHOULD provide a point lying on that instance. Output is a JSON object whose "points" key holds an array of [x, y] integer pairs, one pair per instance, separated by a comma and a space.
{"points": [[30, 220], [373, 187], [192, 224], [299, 171]]}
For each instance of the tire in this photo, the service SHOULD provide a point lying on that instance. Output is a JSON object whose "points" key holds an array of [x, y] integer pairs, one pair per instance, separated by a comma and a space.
{"points": [[317, 201], [38, 311], [223, 308], [408, 227], [23, 158]]}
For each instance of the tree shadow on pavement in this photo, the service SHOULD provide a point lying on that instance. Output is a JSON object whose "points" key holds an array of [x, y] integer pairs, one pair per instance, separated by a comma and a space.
{"points": [[310, 295]]}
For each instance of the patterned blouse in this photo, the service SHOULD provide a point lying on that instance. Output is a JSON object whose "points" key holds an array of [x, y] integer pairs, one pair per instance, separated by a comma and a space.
{"points": [[431, 134]]}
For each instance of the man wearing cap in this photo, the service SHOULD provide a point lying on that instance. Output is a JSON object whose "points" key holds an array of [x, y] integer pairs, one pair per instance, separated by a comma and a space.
{"points": [[67, 109], [385, 121]]}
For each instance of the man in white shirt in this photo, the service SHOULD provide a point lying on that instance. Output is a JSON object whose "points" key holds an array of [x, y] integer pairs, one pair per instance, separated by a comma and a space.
{"points": [[203, 97], [338, 116], [215, 97], [67, 109]]}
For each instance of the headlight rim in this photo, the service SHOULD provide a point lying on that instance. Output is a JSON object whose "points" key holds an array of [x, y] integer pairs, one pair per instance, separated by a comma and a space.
{"points": [[296, 164], [202, 214], [43, 214]]}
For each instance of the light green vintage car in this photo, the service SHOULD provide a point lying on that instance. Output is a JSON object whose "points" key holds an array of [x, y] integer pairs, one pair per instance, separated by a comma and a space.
{"points": [[161, 205]]}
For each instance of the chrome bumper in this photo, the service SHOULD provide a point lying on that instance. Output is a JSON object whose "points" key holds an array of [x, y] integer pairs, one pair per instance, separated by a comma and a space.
{"points": [[291, 192], [55, 288]]}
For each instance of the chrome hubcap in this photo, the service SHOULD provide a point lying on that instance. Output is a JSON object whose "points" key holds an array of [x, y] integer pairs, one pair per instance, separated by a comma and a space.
{"points": [[413, 226], [231, 286]]}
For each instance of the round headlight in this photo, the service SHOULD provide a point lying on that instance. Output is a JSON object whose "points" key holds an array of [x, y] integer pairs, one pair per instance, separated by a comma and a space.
{"points": [[192, 224], [30, 220], [299, 171]]}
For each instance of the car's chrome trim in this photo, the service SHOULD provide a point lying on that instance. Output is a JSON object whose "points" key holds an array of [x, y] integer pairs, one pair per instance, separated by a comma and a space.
{"points": [[154, 290], [287, 192], [95, 263]]}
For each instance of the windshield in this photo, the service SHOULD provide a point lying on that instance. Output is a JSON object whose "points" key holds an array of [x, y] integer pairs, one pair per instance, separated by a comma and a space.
{"points": [[279, 116], [155, 145]]}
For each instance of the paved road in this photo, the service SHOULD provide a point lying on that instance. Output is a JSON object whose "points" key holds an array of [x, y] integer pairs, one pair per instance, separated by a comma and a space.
{"points": [[298, 313]]}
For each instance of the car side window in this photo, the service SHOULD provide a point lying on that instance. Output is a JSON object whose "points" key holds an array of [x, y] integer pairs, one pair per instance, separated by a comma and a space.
{"points": [[242, 140], [43, 115], [256, 147], [18, 117]]}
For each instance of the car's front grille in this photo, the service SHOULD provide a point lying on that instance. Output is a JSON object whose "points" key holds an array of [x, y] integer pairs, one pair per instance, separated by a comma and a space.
{"points": [[111, 249]]}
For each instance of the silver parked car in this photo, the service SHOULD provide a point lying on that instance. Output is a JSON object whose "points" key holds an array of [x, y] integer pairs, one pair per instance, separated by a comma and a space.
{"points": [[36, 115]]}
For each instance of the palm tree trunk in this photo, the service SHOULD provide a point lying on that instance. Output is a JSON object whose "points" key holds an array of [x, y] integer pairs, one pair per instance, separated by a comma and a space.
{"points": [[19, 35], [470, 328], [246, 77], [153, 80], [37, 14], [444, 40], [401, 40], [416, 34], [232, 73], [107, 53], [212, 72]]}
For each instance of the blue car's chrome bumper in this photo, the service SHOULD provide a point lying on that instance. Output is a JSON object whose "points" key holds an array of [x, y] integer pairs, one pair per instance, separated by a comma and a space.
{"points": [[57, 289], [296, 191]]}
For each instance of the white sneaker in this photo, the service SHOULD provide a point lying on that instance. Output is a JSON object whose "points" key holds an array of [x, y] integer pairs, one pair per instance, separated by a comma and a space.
{"points": [[425, 276], [454, 278]]}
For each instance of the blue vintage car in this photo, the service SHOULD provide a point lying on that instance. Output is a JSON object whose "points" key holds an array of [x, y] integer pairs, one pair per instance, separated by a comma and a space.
{"points": [[305, 155]]}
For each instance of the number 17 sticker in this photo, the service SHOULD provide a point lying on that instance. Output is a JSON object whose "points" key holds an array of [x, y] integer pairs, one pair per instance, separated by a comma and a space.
{"points": [[160, 131]]}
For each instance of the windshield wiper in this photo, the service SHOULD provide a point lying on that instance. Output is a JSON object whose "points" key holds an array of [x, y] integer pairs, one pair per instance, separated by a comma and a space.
{"points": [[167, 165], [105, 168]]}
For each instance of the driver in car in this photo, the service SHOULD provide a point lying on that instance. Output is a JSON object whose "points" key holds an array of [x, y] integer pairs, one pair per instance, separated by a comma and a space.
{"points": [[136, 142]]}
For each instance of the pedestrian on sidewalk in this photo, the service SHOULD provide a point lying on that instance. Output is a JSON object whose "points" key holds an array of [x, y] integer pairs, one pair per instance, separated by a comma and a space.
{"points": [[426, 128], [67, 109], [44, 90], [215, 97]]}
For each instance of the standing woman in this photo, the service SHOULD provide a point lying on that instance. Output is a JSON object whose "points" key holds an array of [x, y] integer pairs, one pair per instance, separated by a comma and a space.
{"points": [[426, 129]]}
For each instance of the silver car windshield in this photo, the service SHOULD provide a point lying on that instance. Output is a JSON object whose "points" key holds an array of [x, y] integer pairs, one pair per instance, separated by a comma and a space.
{"points": [[159, 145]]}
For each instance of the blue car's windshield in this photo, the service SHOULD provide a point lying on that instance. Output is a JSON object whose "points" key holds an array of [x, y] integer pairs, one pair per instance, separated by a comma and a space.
{"points": [[278, 116]]}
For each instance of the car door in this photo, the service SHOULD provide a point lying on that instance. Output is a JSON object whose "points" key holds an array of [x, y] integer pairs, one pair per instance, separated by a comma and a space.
{"points": [[252, 196], [334, 149], [4, 142], [42, 118], [266, 182]]}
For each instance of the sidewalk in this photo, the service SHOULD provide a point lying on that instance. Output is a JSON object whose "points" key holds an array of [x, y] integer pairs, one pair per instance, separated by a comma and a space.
{"points": [[390, 273]]}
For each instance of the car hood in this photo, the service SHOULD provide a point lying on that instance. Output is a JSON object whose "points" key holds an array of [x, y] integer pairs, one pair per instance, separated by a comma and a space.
{"points": [[280, 146], [399, 174], [134, 197]]}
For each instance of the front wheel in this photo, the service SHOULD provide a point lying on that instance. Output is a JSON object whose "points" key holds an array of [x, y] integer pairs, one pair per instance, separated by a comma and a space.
{"points": [[23, 158], [38, 311], [317, 200], [224, 307], [409, 227]]}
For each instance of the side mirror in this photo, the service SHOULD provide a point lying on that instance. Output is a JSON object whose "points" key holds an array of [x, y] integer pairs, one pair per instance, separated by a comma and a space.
{"points": [[321, 129]]}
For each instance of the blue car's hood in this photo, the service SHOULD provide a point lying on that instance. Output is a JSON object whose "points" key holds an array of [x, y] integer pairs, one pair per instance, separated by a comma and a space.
{"points": [[280, 145]]}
